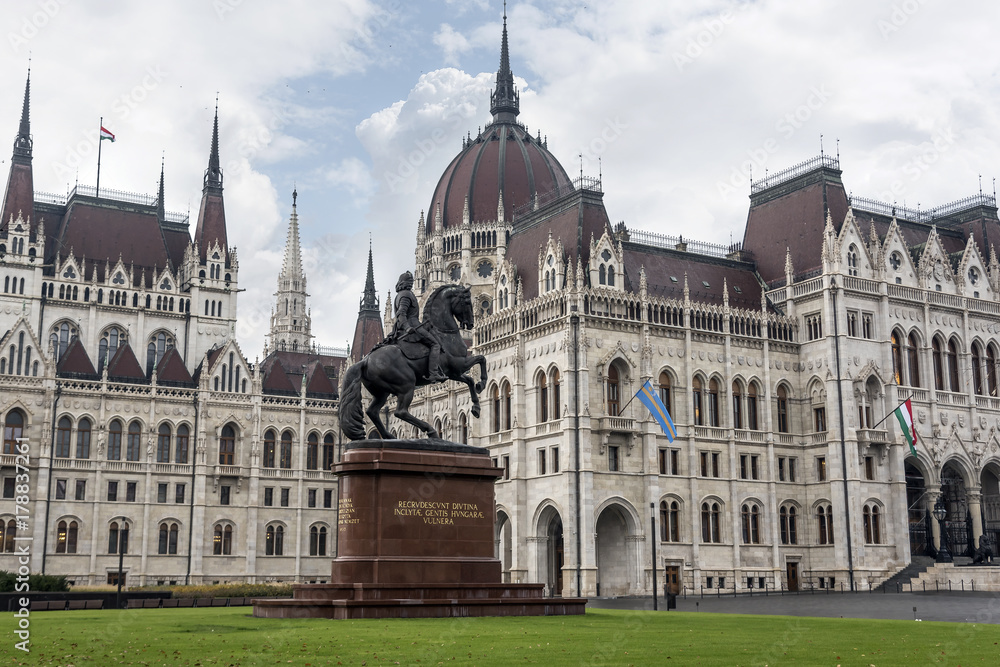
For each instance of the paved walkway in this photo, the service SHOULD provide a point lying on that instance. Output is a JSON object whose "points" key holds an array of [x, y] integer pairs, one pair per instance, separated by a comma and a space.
{"points": [[955, 607]]}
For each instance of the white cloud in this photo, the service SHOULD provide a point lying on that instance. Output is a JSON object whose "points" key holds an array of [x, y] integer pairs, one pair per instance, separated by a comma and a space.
{"points": [[452, 43]]}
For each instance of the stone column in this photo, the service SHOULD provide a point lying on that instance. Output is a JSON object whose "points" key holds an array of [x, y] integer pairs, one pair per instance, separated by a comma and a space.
{"points": [[975, 497], [931, 498]]}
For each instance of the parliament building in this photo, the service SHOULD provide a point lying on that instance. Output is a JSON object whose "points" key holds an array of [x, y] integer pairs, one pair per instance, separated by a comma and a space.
{"points": [[778, 358]]}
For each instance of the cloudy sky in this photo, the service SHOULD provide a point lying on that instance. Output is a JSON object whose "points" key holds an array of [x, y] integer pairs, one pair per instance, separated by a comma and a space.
{"points": [[346, 100]]}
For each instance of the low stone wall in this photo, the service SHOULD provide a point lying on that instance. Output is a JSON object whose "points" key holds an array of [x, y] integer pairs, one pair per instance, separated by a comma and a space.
{"points": [[946, 576]]}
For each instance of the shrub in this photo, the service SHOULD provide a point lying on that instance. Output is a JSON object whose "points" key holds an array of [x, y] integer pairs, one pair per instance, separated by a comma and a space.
{"points": [[223, 590], [37, 583]]}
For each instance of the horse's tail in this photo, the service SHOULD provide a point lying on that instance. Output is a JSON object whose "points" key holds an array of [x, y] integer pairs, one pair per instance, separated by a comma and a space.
{"points": [[351, 413]]}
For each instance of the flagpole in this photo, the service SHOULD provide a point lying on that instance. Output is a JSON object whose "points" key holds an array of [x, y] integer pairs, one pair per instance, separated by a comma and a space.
{"points": [[891, 413], [100, 141]]}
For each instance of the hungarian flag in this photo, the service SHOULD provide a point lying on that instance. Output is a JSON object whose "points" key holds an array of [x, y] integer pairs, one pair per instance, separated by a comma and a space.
{"points": [[107, 135], [904, 414]]}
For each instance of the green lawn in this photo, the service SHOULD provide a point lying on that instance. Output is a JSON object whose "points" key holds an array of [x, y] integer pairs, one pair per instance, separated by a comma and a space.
{"points": [[232, 637]]}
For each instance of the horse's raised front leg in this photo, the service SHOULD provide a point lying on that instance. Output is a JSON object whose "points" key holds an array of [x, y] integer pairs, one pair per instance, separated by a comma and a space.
{"points": [[474, 389], [402, 411], [378, 400], [481, 360]]}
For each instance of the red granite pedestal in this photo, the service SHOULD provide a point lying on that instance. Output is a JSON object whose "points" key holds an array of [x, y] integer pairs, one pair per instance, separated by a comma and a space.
{"points": [[415, 539]]}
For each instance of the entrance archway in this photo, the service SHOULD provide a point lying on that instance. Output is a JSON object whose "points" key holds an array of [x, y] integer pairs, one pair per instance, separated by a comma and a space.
{"points": [[916, 509], [990, 481], [956, 501], [614, 565], [550, 553], [503, 549]]}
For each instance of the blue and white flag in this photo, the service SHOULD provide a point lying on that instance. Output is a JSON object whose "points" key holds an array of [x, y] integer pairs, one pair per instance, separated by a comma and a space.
{"points": [[651, 399]]}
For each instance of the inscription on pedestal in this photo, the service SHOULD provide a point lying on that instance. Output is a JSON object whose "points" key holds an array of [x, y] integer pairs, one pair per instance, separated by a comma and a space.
{"points": [[438, 513], [346, 513]]}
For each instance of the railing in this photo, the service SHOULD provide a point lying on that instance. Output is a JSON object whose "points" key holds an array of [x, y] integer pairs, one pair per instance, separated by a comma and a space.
{"points": [[10, 460], [988, 402], [751, 436], [903, 393], [579, 183], [711, 432], [785, 438], [229, 471], [925, 215], [860, 285], [872, 436], [952, 398], [172, 468], [807, 287], [124, 466], [733, 251], [785, 175], [942, 299], [277, 472], [108, 193], [76, 464], [908, 293], [818, 438], [623, 424]]}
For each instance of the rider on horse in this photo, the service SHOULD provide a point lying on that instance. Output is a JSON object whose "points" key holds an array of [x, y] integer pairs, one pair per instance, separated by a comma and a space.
{"points": [[407, 323]]}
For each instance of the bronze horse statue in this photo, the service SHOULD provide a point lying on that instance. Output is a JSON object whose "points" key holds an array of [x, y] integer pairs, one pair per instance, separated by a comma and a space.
{"points": [[396, 369]]}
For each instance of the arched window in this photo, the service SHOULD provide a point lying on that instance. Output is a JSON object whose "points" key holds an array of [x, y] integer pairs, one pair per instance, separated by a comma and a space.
{"points": [[270, 448], [66, 534], [782, 398], [602, 273], [713, 403], [543, 397], [222, 540], [13, 428], [181, 448], [897, 357], [751, 523], [789, 533], [696, 401], [157, 347], [852, 260], [824, 515], [163, 444], [611, 276], [665, 392], [328, 450], [133, 446], [110, 341], [118, 537], [63, 437], [556, 397], [913, 360], [977, 369], [991, 370], [873, 524], [506, 406], [60, 339], [753, 422], [710, 522], [286, 450], [227, 446], [614, 391], [670, 530], [312, 452], [168, 539], [463, 429], [317, 541], [8, 532], [115, 440], [953, 366], [274, 541], [495, 400], [83, 439], [737, 405], [938, 364]]}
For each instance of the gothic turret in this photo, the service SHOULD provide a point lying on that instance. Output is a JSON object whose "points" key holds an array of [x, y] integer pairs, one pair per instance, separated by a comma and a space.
{"points": [[20, 195], [211, 227], [291, 325], [368, 331]]}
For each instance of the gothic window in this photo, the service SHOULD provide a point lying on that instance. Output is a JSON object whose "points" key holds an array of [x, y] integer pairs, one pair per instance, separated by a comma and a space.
{"points": [[897, 357], [977, 369], [670, 530], [665, 391], [163, 444], [270, 439], [111, 340], [274, 540], [873, 523], [614, 390], [286, 450], [463, 429], [115, 440], [953, 366], [455, 273], [788, 531], [66, 537], [495, 400], [696, 401], [133, 444], [118, 537], [913, 360], [751, 523], [63, 436], [602, 273], [712, 403], [543, 397], [485, 269], [222, 540], [158, 345], [328, 451], [710, 513], [782, 396], [181, 444], [895, 260], [737, 405], [506, 406], [83, 439], [938, 364], [227, 446], [991, 370], [753, 423], [8, 532], [556, 396], [611, 276], [317, 540], [168, 539], [312, 452], [852, 260], [60, 339], [824, 516]]}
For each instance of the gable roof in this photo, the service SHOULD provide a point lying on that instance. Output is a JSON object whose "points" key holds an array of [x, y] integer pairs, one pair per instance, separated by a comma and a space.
{"points": [[124, 367], [171, 369], [76, 362], [276, 381], [318, 382]]}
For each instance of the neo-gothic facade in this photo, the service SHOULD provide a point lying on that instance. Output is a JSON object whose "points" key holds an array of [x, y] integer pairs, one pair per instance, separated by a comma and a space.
{"points": [[777, 358], [148, 427]]}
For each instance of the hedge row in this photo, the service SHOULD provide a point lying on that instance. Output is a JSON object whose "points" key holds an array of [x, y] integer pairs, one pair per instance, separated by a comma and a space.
{"points": [[46, 583], [222, 590]]}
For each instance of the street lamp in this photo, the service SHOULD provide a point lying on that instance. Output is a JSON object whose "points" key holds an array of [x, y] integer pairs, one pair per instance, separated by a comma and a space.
{"points": [[940, 512], [122, 544]]}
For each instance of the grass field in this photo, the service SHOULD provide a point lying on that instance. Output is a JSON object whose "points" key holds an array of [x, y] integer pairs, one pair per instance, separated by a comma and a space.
{"points": [[230, 636]]}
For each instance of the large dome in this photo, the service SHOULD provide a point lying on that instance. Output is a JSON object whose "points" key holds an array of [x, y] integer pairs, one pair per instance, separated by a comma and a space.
{"points": [[503, 158]]}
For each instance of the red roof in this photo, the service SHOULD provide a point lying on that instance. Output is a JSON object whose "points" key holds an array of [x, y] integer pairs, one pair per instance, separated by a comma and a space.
{"points": [[277, 380], [318, 382], [172, 369], [367, 333], [666, 270], [503, 157], [75, 360], [124, 366], [20, 195], [211, 224]]}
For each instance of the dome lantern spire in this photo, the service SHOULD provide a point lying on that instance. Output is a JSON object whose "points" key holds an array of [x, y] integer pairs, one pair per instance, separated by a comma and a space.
{"points": [[505, 100]]}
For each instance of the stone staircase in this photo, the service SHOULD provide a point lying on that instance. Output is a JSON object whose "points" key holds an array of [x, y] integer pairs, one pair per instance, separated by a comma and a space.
{"points": [[913, 570]]}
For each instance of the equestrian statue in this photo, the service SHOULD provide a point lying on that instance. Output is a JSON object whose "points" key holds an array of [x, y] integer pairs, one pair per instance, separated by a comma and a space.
{"points": [[416, 353]]}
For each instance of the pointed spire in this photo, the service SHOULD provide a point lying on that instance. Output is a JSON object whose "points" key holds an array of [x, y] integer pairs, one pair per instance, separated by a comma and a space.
{"points": [[505, 100], [22, 145], [161, 213], [213, 175], [291, 269], [370, 299]]}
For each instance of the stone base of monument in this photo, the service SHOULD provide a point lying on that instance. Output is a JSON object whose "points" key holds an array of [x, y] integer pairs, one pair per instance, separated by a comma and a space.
{"points": [[415, 539]]}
